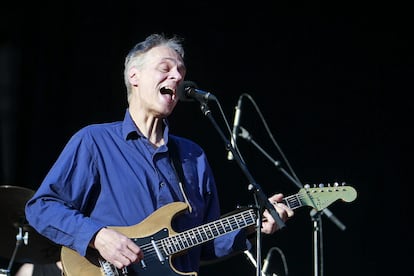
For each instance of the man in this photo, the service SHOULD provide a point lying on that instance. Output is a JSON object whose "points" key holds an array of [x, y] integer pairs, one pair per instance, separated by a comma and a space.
{"points": [[120, 173]]}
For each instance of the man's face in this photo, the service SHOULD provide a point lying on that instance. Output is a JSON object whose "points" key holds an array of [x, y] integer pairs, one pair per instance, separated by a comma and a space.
{"points": [[157, 80]]}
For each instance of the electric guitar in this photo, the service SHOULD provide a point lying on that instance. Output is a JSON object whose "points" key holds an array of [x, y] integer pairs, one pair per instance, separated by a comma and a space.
{"points": [[160, 243]]}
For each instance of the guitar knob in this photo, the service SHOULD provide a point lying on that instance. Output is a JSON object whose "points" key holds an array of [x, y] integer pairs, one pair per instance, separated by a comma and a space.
{"points": [[336, 184], [321, 185], [307, 186]]}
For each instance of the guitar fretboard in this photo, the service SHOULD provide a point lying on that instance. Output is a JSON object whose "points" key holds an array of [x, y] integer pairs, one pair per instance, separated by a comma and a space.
{"points": [[207, 232], [293, 201], [212, 230]]}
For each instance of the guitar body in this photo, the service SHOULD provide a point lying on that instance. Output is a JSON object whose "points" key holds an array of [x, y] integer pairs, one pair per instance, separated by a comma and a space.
{"points": [[160, 243], [153, 227]]}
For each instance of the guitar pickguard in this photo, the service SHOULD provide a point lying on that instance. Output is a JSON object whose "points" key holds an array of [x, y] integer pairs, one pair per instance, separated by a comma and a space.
{"points": [[155, 262]]}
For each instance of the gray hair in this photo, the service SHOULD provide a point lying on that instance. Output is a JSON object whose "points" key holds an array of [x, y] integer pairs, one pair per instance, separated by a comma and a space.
{"points": [[135, 56]]}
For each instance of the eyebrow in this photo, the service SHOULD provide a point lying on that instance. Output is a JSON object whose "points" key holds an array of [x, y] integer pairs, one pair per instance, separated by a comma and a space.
{"points": [[180, 65]]}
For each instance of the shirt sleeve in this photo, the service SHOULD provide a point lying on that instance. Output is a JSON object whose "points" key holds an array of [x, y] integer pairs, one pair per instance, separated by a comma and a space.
{"points": [[66, 189]]}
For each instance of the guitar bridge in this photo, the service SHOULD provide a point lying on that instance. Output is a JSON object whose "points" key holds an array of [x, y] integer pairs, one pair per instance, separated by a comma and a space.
{"points": [[108, 269]]}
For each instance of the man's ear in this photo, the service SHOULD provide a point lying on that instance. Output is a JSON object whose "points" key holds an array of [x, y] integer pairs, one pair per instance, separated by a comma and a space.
{"points": [[133, 76]]}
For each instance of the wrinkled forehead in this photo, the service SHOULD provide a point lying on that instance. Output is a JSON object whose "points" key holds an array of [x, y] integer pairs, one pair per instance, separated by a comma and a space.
{"points": [[164, 55]]}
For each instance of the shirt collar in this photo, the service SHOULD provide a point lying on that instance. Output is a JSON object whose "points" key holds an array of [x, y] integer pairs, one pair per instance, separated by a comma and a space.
{"points": [[131, 131]]}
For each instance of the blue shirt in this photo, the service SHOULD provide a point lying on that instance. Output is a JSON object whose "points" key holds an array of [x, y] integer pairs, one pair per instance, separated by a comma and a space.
{"points": [[111, 175]]}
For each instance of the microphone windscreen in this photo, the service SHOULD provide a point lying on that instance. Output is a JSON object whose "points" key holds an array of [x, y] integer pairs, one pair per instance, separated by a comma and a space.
{"points": [[182, 90]]}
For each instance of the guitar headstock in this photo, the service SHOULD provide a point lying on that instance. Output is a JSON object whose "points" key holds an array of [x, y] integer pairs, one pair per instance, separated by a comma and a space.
{"points": [[321, 196]]}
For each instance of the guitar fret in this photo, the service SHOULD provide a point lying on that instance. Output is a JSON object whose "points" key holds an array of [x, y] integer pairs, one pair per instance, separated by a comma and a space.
{"points": [[164, 246], [210, 231], [252, 217], [218, 228], [249, 219], [211, 228], [199, 235], [192, 237], [202, 235], [207, 232], [203, 230], [188, 239], [293, 201], [244, 220], [222, 226], [213, 231], [180, 242], [175, 243], [223, 229], [239, 221], [216, 225], [234, 222], [227, 225]]}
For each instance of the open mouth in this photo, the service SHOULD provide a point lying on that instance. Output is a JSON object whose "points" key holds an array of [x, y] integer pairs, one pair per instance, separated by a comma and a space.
{"points": [[167, 91]]}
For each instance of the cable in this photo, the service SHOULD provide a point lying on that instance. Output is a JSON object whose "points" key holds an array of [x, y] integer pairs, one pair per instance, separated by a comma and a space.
{"points": [[270, 134], [282, 256], [229, 129]]}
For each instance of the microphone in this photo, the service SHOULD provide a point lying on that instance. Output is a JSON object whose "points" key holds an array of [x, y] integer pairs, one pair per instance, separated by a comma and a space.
{"points": [[188, 91], [236, 122]]}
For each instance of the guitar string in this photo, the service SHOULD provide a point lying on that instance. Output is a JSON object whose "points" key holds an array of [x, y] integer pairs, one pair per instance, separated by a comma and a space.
{"points": [[233, 223], [295, 201], [173, 244], [192, 233]]}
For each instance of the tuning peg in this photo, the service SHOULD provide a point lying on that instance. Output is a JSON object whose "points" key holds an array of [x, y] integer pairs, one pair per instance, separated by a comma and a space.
{"points": [[307, 186], [321, 185]]}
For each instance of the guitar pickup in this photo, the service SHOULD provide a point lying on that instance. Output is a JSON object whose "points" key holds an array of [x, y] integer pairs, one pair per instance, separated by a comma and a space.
{"points": [[157, 250]]}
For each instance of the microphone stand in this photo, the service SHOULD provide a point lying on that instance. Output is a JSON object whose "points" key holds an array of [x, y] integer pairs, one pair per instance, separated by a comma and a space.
{"points": [[261, 199], [315, 215], [20, 238]]}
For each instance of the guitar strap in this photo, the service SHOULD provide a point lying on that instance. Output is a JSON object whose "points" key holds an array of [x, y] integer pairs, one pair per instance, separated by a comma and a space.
{"points": [[178, 168]]}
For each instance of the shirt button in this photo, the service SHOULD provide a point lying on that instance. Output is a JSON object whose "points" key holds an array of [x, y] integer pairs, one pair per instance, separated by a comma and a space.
{"points": [[162, 184]]}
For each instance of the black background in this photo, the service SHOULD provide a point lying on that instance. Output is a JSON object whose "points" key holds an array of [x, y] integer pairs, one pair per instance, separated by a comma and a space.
{"points": [[332, 80]]}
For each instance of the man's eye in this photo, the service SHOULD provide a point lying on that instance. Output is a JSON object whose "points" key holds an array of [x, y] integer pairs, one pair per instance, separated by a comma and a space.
{"points": [[164, 68]]}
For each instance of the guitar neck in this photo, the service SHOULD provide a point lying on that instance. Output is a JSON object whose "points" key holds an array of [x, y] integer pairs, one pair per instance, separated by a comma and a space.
{"points": [[207, 232], [320, 197], [293, 201]]}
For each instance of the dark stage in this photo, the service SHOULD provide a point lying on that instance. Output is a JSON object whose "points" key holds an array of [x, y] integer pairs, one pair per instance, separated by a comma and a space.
{"points": [[331, 79]]}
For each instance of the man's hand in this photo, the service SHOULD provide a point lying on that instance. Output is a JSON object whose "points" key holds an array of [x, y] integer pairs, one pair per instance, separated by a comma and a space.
{"points": [[117, 248], [269, 225]]}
